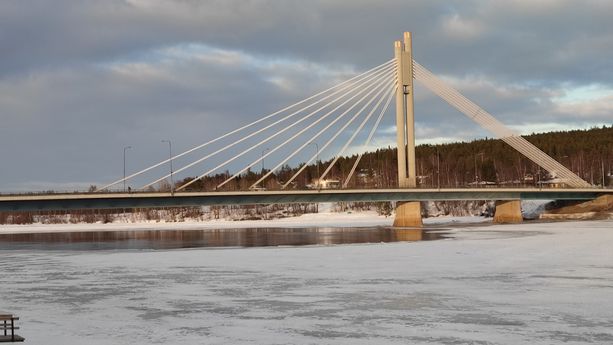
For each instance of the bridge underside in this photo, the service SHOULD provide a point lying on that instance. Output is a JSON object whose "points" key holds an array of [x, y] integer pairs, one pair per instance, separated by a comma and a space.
{"points": [[153, 200]]}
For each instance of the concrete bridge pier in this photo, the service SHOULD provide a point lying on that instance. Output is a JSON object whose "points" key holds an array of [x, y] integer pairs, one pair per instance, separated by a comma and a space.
{"points": [[508, 212], [408, 214]]}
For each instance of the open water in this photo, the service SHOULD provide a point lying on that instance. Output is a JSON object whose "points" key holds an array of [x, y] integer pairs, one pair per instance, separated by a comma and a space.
{"points": [[175, 239]]}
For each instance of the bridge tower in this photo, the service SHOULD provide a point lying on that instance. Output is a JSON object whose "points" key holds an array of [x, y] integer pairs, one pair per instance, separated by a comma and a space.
{"points": [[408, 214], [405, 120]]}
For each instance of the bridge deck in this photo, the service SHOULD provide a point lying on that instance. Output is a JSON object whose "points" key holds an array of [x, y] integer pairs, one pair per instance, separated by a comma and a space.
{"points": [[141, 200]]}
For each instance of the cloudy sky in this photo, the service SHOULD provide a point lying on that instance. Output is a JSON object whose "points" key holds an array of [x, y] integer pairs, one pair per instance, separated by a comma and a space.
{"points": [[79, 80]]}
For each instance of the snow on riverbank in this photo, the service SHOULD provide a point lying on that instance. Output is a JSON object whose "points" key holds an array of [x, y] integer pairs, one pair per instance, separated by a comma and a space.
{"points": [[533, 283], [322, 219], [328, 216]]}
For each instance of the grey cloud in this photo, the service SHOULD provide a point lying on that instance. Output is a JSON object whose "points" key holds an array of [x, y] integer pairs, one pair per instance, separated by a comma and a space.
{"points": [[72, 123], [81, 79], [517, 41]]}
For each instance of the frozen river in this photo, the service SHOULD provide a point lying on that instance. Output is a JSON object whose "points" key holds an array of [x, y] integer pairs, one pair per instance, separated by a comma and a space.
{"points": [[543, 283]]}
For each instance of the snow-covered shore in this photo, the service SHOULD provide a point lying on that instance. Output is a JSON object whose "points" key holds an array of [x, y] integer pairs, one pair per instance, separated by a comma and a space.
{"points": [[533, 283], [329, 215], [323, 219]]}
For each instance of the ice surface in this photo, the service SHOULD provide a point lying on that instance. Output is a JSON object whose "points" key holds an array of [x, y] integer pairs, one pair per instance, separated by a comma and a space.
{"points": [[539, 283]]}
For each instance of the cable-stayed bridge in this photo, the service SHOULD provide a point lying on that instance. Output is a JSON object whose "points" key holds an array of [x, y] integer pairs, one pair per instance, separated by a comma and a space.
{"points": [[330, 114], [349, 110]]}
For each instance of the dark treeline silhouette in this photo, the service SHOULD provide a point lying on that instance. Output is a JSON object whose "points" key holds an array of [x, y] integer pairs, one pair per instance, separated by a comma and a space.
{"points": [[588, 153]]}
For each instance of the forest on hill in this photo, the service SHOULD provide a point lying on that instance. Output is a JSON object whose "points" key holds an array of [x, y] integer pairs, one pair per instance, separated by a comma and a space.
{"points": [[588, 153]]}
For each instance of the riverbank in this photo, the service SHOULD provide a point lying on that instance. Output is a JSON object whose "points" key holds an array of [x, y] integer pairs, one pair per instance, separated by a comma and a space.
{"points": [[322, 219], [327, 217]]}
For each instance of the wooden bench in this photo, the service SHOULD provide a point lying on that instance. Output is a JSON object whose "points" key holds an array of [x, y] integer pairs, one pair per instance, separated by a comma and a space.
{"points": [[7, 328]]}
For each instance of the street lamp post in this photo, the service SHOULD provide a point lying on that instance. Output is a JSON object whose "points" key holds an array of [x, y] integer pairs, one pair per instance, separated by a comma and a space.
{"points": [[263, 151], [317, 161], [438, 169], [603, 180], [476, 175], [124, 166], [172, 183]]}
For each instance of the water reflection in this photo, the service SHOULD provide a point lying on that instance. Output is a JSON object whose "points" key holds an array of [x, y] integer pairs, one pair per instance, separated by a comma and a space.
{"points": [[170, 239]]}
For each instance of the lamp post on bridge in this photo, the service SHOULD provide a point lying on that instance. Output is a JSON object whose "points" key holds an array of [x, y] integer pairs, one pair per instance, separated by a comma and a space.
{"points": [[603, 179], [263, 151], [476, 175], [476, 171], [317, 161], [262, 172], [172, 187], [124, 166], [438, 168]]}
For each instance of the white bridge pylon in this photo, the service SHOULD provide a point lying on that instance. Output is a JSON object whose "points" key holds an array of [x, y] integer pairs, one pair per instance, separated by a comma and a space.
{"points": [[318, 116]]}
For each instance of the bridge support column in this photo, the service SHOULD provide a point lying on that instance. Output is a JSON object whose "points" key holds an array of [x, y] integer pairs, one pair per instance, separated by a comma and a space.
{"points": [[405, 123], [408, 214], [508, 212]]}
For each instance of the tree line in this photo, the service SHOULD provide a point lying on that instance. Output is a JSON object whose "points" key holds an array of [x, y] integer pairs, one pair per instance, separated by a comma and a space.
{"points": [[588, 153]]}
